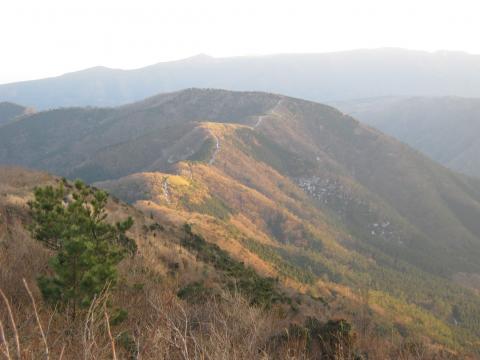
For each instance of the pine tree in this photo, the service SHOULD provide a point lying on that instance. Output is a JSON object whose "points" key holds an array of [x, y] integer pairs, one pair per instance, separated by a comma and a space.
{"points": [[72, 222]]}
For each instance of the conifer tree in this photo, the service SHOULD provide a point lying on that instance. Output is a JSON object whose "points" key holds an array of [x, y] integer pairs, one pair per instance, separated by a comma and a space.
{"points": [[72, 222]]}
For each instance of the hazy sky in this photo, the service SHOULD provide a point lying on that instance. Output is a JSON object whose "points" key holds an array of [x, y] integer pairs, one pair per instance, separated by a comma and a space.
{"points": [[40, 38]]}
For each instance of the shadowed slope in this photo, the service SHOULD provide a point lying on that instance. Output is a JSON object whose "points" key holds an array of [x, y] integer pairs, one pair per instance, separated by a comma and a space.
{"points": [[445, 128], [10, 111]]}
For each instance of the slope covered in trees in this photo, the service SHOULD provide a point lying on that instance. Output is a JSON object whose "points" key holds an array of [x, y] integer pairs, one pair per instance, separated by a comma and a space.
{"points": [[364, 177], [9, 112], [293, 188], [444, 128], [179, 297]]}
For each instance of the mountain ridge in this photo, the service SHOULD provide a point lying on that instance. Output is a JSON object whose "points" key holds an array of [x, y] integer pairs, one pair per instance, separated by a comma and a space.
{"points": [[318, 197], [318, 77], [9, 112]]}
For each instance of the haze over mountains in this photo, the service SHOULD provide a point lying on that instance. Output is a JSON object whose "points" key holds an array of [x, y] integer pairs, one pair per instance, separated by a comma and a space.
{"points": [[310, 193], [297, 190], [240, 180], [445, 128], [318, 77], [411, 95]]}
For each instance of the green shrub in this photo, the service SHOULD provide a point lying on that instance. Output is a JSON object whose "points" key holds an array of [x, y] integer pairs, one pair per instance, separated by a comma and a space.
{"points": [[194, 293], [72, 222], [261, 291], [205, 152], [211, 206]]}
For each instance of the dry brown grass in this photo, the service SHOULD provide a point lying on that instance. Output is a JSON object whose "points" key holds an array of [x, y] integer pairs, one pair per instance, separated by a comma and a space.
{"points": [[161, 326]]}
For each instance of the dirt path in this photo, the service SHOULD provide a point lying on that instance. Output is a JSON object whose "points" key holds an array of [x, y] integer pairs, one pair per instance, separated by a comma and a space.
{"points": [[166, 193], [259, 121], [217, 149], [272, 111]]}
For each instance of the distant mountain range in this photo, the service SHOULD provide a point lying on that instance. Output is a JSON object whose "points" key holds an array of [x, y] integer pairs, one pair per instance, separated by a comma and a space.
{"points": [[295, 187], [445, 128], [318, 77]]}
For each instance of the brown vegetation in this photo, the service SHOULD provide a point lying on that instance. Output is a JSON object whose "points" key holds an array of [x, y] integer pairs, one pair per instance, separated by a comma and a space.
{"points": [[161, 326], [144, 318]]}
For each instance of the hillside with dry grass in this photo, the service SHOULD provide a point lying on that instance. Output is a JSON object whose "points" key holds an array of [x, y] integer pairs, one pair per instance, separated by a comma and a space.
{"points": [[177, 298], [362, 177], [351, 223]]}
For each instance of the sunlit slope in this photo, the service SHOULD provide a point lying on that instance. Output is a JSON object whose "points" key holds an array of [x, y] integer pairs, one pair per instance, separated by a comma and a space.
{"points": [[315, 196], [384, 192], [270, 222]]}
